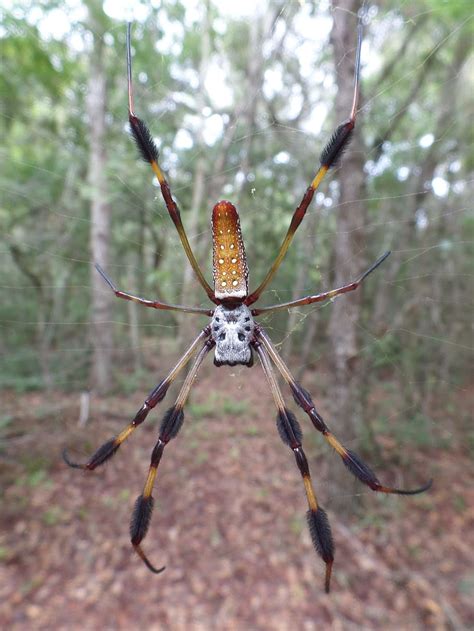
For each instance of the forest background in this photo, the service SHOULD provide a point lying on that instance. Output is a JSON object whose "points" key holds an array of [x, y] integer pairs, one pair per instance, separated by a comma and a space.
{"points": [[241, 100]]}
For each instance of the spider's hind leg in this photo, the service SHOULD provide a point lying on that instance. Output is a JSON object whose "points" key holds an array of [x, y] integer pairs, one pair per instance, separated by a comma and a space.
{"points": [[290, 433], [170, 426], [352, 461], [110, 447]]}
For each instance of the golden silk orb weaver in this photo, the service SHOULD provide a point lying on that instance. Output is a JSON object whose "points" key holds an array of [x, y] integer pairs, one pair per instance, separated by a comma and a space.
{"points": [[236, 337]]}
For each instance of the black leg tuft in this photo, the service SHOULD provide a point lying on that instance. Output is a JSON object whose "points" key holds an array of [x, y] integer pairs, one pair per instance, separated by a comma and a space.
{"points": [[358, 468], [106, 451], [289, 429], [321, 535], [336, 145], [143, 139], [140, 518], [171, 424]]}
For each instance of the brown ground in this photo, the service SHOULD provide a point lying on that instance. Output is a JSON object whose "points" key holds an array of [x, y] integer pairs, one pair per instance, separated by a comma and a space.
{"points": [[229, 524]]}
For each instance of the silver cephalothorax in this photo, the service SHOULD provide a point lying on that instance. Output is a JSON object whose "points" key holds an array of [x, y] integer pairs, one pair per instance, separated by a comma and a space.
{"points": [[232, 331]]}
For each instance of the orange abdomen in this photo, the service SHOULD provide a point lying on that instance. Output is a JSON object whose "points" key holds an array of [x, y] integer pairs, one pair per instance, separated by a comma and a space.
{"points": [[229, 263]]}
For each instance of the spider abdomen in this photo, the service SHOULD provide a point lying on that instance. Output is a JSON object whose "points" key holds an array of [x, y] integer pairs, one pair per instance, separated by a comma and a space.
{"points": [[229, 263], [232, 330]]}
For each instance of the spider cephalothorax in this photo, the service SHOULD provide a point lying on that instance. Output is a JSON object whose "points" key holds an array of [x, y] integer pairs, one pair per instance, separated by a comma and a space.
{"points": [[232, 331], [235, 335]]}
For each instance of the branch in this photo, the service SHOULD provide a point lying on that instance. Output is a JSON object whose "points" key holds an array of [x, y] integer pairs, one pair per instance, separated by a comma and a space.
{"points": [[390, 65], [19, 258], [395, 121]]}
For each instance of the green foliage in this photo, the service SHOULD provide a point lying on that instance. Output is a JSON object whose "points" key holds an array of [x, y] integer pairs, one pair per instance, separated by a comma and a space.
{"points": [[386, 351], [216, 405], [53, 516], [234, 407], [35, 472], [4, 554], [129, 382], [413, 430], [5, 422], [470, 441], [418, 335], [466, 585]]}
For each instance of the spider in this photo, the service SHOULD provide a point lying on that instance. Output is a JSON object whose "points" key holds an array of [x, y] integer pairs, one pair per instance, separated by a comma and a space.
{"points": [[235, 337]]}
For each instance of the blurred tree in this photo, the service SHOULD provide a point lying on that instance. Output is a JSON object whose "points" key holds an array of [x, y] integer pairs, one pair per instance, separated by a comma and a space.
{"points": [[236, 104], [38, 180], [199, 203], [349, 245], [101, 298]]}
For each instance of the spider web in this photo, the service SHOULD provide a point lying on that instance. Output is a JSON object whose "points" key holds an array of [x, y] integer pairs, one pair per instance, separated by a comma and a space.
{"points": [[423, 343]]}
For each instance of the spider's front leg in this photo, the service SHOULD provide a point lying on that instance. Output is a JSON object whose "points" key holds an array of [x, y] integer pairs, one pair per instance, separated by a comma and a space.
{"points": [[291, 434], [154, 304], [326, 295], [149, 152], [170, 426], [328, 159], [110, 447]]}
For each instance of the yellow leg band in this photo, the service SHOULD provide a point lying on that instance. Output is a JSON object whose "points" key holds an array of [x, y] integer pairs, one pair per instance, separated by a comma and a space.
{"points": [[318, 177], [150, 481], [124, 434], [332, 440], [308, 487], [157, 171]]}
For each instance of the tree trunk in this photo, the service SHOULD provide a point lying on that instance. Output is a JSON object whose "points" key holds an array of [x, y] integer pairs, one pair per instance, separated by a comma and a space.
{"points": [[302, 287], [101, 331], [349, 243], [421, 183], [190, 284], [134, 323]]}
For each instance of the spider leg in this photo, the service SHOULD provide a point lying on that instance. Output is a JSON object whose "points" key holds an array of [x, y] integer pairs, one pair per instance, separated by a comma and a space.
{"points": [[329, 157], [170, 426], [327, 295], [109, 448], [149, 152], [291, 434], [155, 304], [353, 462]]}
